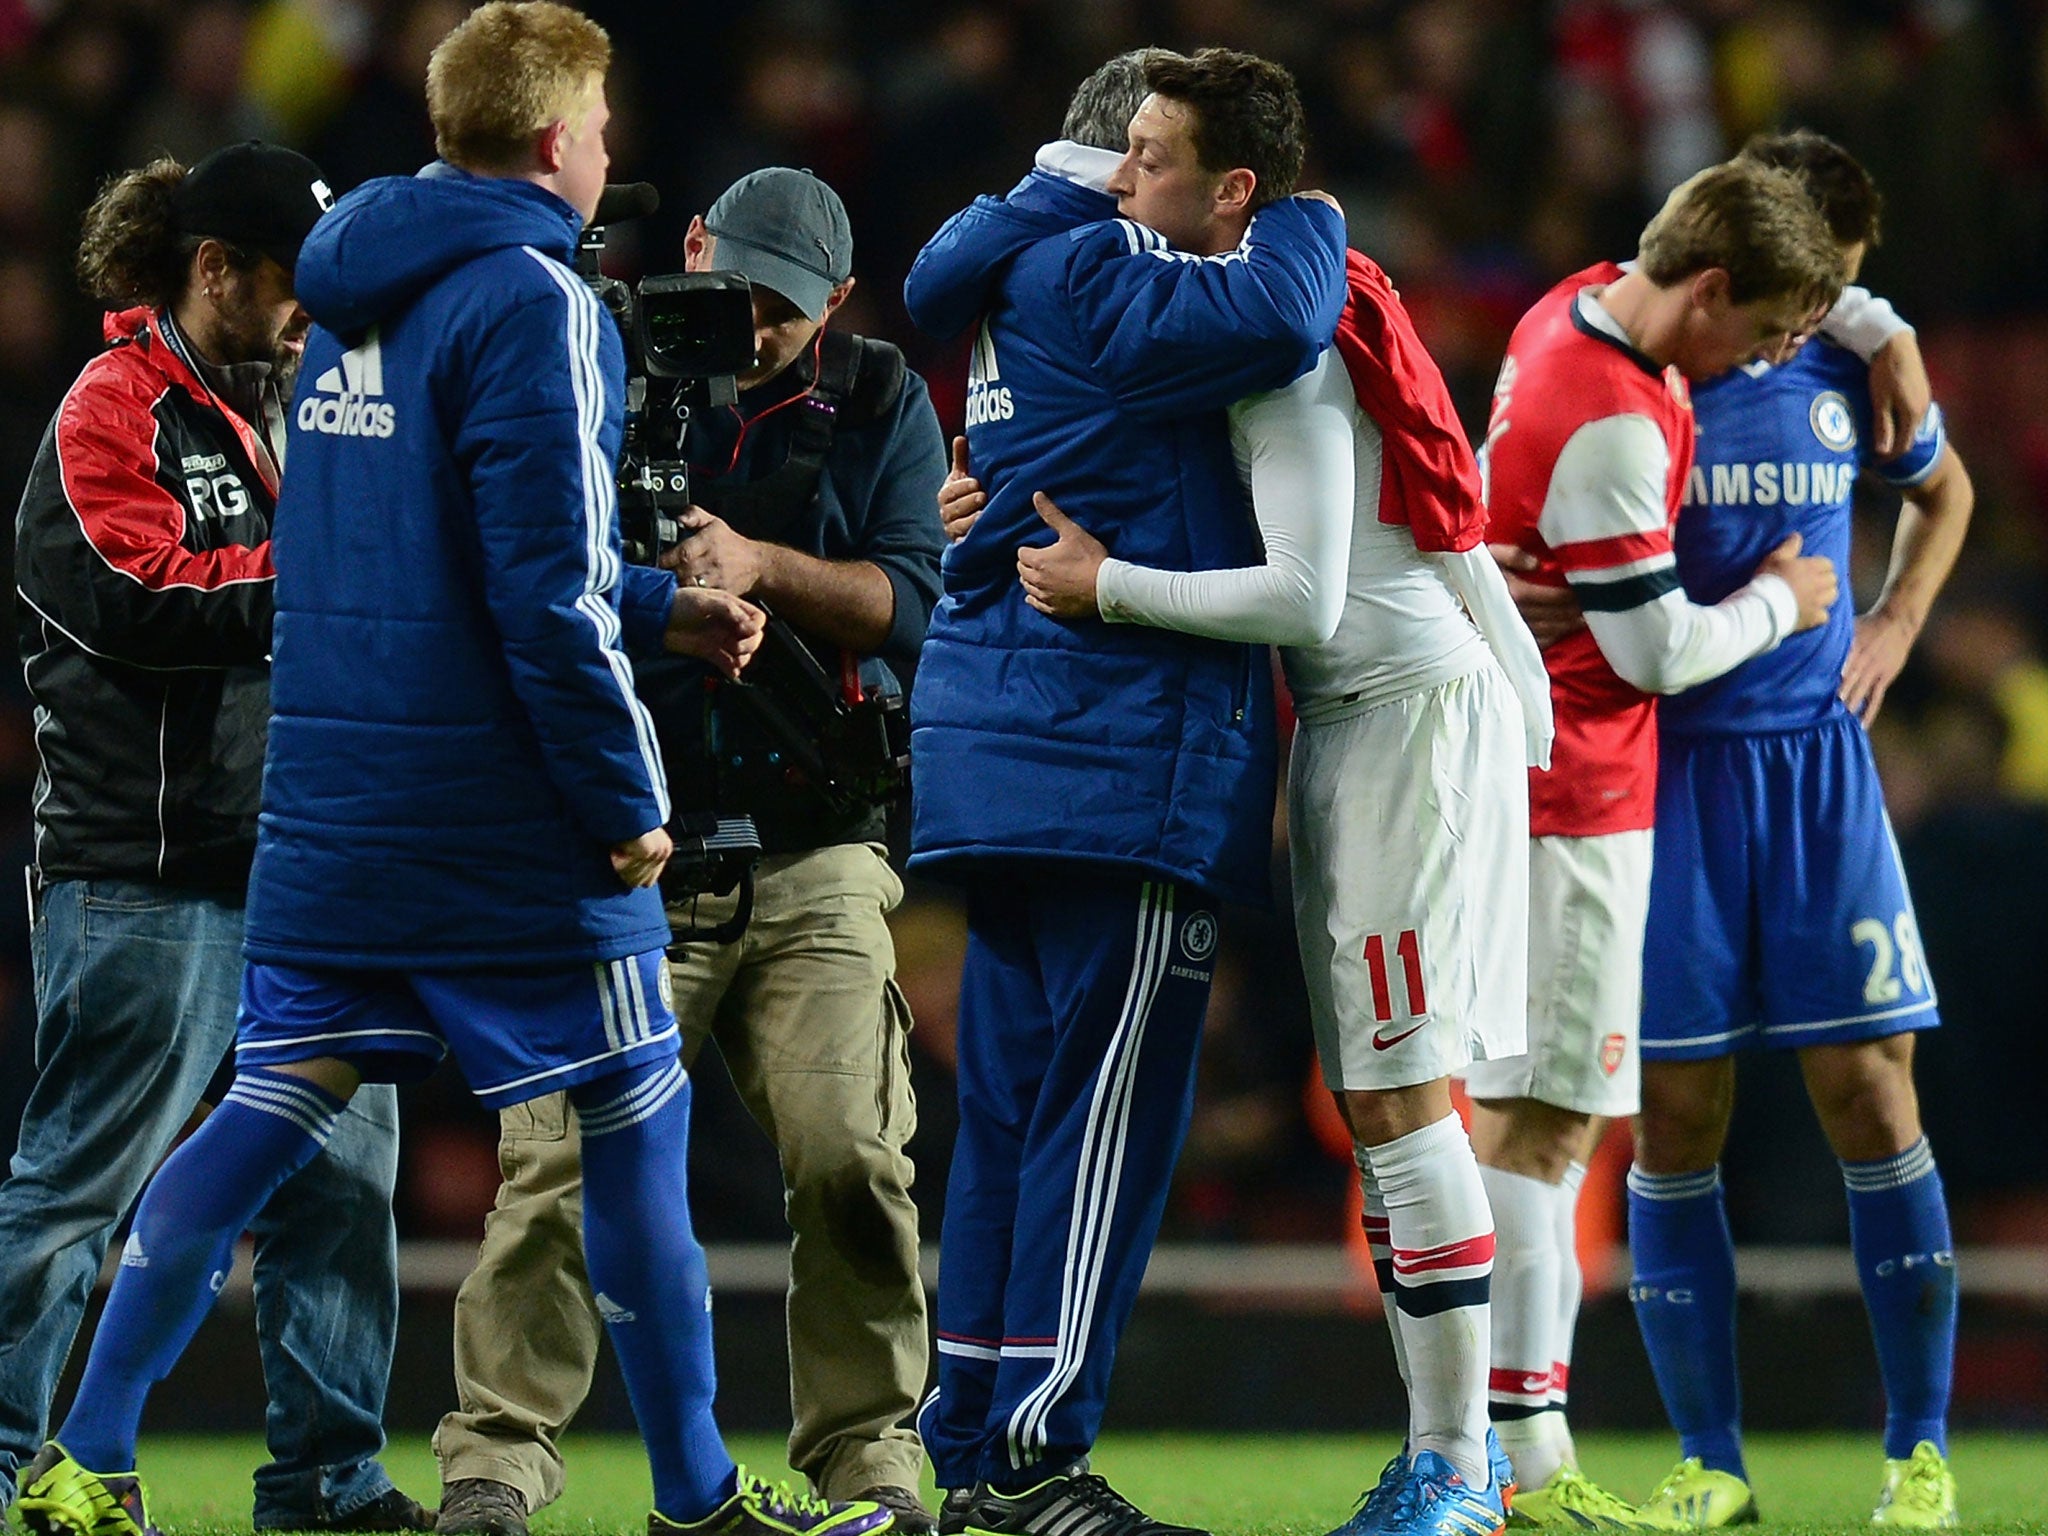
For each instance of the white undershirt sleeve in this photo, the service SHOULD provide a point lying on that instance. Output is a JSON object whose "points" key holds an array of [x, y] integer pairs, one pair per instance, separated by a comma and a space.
{"points": [[1297, 443], [1605, 520], [1862, 322], [1672, 643], [1484, 591]]}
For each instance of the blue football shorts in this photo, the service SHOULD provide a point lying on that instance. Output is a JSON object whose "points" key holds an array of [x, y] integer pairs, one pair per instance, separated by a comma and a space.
{"points": [[515, 1034], [1779, 914]]}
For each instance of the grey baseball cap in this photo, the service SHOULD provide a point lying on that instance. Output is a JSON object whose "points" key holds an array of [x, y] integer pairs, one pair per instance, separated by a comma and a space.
{"points": [[785, 230]]}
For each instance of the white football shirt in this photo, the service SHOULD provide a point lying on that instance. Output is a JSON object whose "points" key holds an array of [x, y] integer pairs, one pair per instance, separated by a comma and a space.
{"points": [[1362, 615]]}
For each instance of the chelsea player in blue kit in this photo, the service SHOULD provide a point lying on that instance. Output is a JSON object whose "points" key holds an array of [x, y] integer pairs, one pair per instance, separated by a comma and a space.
{"points": [[1779, 914]]}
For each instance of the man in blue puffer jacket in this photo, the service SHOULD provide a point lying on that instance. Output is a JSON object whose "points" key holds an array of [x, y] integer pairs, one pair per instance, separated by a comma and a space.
{"points": [[1096, 788], [463, 801]]}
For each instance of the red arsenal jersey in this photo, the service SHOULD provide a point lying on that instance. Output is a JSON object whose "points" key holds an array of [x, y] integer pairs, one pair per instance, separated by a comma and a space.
{"points": [[1568, 383]]}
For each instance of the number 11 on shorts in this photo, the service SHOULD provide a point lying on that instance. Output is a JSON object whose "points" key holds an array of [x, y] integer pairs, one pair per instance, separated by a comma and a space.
{"points": [[1408, 950]]}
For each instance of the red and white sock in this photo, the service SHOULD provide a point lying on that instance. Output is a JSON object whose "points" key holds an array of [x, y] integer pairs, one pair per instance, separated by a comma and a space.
{"points": [[1441, 1233], [1571, 1285], [1382, 1253], [1525, 1301]]}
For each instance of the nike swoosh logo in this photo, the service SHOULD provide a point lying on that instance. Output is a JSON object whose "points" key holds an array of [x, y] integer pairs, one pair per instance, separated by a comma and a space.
{"points": [[1386, 1045]]}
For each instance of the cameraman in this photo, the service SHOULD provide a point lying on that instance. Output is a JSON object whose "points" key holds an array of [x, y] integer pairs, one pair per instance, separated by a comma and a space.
{"points": [[815, 496]]}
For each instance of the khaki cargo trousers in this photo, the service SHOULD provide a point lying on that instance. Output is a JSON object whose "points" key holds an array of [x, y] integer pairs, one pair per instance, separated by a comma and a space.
{"points": [[808, 1018]]}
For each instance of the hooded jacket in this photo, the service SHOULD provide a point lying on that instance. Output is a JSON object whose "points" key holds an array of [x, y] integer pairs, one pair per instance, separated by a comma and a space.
{"points": [[1100, 373], [455, 742], [142, 564]]}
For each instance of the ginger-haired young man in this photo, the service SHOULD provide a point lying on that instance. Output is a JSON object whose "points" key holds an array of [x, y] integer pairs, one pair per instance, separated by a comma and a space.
{"points": [[464, 809]]}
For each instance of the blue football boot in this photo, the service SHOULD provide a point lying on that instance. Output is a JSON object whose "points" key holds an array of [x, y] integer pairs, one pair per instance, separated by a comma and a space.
{"points": [[1434, 1501], [1378, 1501]]}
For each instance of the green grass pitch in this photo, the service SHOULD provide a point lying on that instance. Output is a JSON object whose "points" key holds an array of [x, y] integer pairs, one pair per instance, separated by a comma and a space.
{"points": [[1244, 1485]]}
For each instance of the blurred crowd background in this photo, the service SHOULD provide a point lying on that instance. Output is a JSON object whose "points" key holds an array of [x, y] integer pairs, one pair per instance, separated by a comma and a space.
{"points": [[1481, 149]]}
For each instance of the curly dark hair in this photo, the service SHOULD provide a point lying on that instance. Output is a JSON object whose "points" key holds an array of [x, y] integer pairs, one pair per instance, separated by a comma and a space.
{"points": [[1839, 185], [1247, 113], [130, 250]]}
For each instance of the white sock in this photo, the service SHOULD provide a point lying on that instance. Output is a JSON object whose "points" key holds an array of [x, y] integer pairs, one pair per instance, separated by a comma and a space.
{"points": [[1382, 1253], [1442, 1237], [1571, 1285], [1525, 1290]]}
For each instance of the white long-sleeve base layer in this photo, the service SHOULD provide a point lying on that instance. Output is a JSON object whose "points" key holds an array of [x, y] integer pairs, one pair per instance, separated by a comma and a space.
{"points": [[1610, 482], [1361, 615]]}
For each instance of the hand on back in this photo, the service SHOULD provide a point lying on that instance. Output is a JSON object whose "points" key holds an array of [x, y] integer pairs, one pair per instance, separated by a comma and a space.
{"points": [[960, 496]]}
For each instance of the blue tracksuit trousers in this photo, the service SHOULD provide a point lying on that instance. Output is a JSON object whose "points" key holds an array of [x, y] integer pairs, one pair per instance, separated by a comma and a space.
{"points": [[1081, 1010]]}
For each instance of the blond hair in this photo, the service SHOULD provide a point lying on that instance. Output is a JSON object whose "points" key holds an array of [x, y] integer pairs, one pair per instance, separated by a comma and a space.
{"points": [[507, 71], [1754, 221]]}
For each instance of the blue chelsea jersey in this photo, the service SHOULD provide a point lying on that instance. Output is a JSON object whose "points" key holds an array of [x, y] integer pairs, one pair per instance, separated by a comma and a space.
{"points": [[1779, 450]]}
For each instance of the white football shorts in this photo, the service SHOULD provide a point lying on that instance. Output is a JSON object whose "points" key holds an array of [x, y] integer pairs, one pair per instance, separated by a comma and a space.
{"points": [[1589, 898], [1409, 825]]}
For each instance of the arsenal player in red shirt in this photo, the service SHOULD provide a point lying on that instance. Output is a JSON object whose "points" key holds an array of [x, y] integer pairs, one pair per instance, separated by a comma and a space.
{"points": [[1586, 457]]}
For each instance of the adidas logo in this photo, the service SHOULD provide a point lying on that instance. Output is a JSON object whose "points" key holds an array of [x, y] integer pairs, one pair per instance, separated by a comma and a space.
{"points": [[345, 408], [988, 398], [132, 1256], [612, 1312]]}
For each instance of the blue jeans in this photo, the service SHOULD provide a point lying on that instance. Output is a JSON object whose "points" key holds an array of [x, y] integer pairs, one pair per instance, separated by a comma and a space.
{"points": [[136, 991]]}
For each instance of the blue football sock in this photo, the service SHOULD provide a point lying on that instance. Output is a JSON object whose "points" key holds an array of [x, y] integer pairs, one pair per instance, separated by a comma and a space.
{"points": [[648, 1272], [268, 1126], [1898, 1227], [1684, 1295]]}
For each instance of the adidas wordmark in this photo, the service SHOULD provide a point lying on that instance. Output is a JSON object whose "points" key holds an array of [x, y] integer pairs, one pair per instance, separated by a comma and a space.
{"points": [[345, 406]]}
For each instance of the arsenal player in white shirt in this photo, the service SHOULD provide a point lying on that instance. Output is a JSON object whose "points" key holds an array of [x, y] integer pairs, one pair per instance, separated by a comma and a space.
{"points": [[1422, 700]]}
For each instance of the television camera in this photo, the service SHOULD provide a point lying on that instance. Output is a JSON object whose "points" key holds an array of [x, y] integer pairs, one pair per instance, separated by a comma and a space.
{"points": [[688, 336]]}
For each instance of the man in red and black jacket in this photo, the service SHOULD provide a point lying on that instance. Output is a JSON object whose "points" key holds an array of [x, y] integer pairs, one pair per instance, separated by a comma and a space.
{"points": [[142, 553], [143, 550]]}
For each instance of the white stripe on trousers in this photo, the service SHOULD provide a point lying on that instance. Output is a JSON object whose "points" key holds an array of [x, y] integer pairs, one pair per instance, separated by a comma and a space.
{"points": [[607, 1005], [643, 1028], [1097, 1175], [622, 997]]}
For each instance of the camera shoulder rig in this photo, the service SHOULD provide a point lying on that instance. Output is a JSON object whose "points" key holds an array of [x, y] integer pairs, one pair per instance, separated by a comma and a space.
{"points": [[713, 856], [858, 383]]}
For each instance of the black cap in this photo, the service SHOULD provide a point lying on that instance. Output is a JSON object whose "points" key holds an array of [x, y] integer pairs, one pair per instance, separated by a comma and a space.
{"points": [[260, 197]]}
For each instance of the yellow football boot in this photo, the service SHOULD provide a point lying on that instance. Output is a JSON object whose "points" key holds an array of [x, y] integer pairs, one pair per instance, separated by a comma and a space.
{"points": [[1692, 1498], [1572, 1501], [1919, 1492]]}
